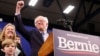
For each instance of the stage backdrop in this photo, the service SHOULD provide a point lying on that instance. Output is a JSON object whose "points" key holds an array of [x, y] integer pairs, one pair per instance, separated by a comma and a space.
{"points": [[75, 44]]}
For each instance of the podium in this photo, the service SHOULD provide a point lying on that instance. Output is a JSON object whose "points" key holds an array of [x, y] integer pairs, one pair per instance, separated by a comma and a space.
{"points": [[68, 43]]}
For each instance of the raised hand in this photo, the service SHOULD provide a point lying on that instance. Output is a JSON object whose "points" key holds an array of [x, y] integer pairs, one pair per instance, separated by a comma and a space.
{"points": [[19, 6]]}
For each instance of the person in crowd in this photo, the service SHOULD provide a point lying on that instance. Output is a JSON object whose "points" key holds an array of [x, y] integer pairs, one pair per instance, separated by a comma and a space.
{"points": [[9, 32], [40, 39], [18, 40], [9, 47]]}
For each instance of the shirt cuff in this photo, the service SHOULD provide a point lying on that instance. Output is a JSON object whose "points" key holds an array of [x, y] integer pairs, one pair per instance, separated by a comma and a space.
{"points": [[17, 14]]}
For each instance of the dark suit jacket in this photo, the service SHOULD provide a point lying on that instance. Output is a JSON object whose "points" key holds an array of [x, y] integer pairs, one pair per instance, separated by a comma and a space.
{"points": [[33, 37], [47, 47], [20, 48]]}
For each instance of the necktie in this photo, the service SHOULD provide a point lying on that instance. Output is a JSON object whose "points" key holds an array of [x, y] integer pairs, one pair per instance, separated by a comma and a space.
{"points": [[42, 35]]}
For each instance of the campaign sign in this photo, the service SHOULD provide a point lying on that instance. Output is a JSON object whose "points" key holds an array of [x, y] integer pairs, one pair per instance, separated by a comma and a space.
{"points": [[68, 43]]}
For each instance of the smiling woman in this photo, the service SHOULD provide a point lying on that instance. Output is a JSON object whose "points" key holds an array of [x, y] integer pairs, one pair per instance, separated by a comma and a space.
{"points": [[9, 32]]}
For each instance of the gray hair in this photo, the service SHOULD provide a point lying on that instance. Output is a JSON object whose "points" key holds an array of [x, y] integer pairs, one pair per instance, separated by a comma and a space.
{"points": [[45, 18]]}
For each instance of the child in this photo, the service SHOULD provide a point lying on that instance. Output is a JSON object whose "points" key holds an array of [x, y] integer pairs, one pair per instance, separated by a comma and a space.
{"points": [[18, 42], [8, 47], [17, 39]]}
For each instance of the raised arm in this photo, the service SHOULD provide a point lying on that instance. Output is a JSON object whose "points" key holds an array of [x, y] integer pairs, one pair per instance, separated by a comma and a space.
{"points": [[18, 21]]}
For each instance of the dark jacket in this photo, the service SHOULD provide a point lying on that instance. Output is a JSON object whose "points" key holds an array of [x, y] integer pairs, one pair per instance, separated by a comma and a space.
{"points": [[20, 48], [33, 37]]}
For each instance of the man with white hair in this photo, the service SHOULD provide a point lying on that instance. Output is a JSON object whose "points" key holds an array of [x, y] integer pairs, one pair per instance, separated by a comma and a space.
{"points": [[40, 40]]}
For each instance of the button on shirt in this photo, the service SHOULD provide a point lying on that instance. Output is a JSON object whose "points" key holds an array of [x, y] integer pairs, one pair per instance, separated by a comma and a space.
{"points": [[45, 35]]}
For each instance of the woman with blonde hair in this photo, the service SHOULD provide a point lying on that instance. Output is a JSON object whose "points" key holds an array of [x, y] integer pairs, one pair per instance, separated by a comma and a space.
{"points": [[9, 32]]}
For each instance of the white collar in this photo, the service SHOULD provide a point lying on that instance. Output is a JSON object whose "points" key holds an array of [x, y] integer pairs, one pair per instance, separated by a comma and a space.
{"points": [[43, 32]]}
